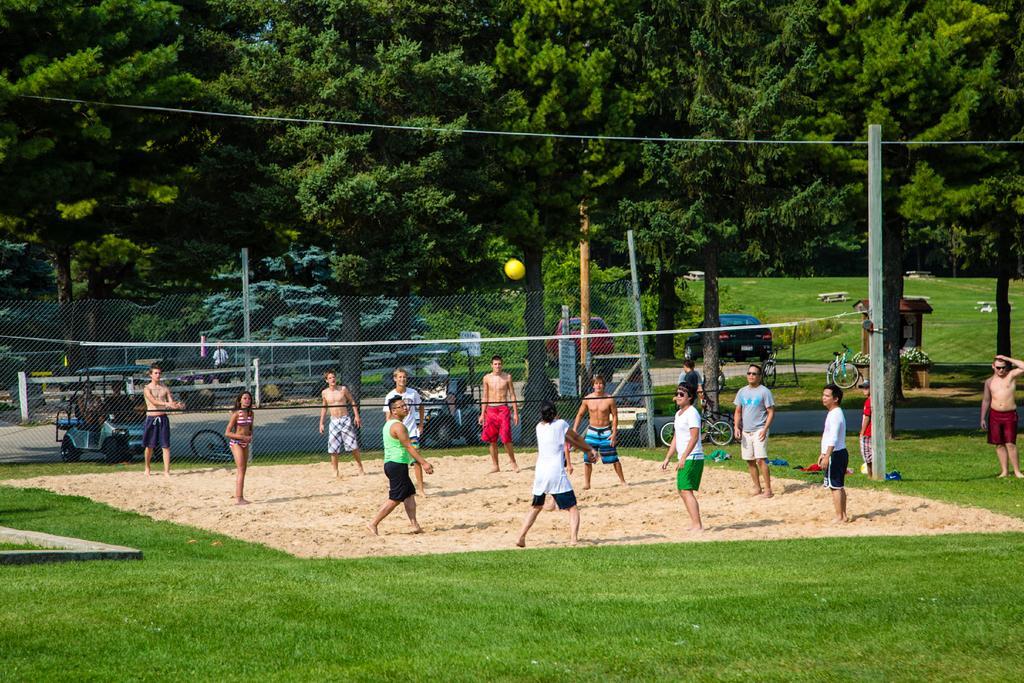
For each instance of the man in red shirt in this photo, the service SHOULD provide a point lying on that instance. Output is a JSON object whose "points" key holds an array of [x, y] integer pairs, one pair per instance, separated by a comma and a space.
{"points": [[865, 428]]}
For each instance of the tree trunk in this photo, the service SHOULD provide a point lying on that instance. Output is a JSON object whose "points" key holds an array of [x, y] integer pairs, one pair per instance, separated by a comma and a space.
{"points": [[351, 356], [892, 293], [403, 313], [1004, 272], [62, 268], [668, 305], [538, 387], [711, 319]]}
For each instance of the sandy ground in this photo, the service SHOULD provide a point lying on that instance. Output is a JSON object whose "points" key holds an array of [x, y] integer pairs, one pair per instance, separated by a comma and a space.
{"points": [[303, 510]]}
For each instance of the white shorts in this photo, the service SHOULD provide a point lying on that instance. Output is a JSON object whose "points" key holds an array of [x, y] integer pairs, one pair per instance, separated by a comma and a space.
{"points": [[341, 435], [751, 446]]}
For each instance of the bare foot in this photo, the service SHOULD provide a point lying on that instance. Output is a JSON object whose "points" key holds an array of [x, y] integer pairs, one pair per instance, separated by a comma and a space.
{"points": [[768, 494], [521, 543], [373, 528], [1019, 475], [241, 501], [840, 520], [755, 493], [623, 483], [515, 467], [148, 473], [1003, 475], [574, 541], [417, 529], [696, 528], [496, 469], [167, 474], [362, 471], [587, 487]]}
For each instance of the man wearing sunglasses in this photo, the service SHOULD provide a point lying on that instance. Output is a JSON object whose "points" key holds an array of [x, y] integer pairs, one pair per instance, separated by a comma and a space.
{"points": [[999, 412], [755, 410]]}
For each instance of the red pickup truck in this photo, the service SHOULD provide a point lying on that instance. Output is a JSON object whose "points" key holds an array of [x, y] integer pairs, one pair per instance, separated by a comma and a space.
{"points": [[597, 346]]}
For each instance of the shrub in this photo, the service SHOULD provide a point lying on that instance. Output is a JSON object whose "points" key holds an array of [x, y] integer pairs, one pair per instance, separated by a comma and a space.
{"points": [[270, 393]]}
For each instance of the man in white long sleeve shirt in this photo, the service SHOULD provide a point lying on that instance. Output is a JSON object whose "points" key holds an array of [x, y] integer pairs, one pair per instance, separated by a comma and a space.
{"points": [[834, 457]]}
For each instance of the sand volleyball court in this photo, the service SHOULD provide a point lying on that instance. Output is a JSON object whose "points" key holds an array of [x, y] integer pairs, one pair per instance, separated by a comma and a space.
{"points": [[303, 510]]}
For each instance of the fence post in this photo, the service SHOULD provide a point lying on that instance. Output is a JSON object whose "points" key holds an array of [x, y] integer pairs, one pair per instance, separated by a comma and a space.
{"points": [[644, 368], [256, 381], [23, 395], [245, 314]]}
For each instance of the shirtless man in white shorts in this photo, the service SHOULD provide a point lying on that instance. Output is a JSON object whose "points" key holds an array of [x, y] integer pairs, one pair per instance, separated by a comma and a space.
{"points": [[341, 432]]}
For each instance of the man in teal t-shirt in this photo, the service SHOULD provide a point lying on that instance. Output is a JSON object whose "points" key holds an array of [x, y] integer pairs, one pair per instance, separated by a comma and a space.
{"points": [[399, 454]]}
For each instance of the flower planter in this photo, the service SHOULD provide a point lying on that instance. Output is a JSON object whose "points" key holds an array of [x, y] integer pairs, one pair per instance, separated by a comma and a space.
{"points": [[919, 376]]}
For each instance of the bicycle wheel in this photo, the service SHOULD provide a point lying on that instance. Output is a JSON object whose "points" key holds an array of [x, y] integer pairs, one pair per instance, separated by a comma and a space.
{"points": [[846, 375], [210, 445], [668, 430], [719, 432]]}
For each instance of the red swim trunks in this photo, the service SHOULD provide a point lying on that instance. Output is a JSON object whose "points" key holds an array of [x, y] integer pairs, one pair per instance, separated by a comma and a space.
{"points": [[497, 424], [1002, 427]]}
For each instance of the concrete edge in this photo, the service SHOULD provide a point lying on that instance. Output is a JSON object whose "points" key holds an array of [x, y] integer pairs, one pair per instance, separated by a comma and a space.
{"points": [[60, 548]]}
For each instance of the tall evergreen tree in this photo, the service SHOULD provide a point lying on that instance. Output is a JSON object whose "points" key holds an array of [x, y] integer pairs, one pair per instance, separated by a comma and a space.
{"points": [[74, 173]]}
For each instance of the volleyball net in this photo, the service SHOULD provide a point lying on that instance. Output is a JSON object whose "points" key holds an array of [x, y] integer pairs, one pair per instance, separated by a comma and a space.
{"points": [[73, 376]]}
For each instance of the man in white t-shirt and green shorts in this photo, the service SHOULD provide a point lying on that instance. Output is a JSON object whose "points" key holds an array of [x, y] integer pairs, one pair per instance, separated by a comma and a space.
{"points": [[689, 454], [755, 410]]}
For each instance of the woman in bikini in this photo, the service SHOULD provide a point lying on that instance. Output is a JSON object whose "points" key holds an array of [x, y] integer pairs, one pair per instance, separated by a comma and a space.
{"points": [[239, 434]]}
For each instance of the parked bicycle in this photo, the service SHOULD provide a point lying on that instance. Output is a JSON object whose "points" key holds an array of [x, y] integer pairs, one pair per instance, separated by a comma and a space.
{"points": [[768, 370], [841, 371], [716, 426]]}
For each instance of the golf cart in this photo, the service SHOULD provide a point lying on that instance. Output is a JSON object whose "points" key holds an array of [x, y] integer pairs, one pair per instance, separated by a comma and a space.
{"points": [[101, 414], [450, 411], [450, 408]]}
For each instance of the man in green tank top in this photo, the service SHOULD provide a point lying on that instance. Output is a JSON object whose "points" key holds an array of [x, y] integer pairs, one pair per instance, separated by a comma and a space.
{"points": [[399, 454]]}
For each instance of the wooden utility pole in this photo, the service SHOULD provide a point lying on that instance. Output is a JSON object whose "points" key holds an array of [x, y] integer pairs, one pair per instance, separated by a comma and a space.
{"points": [[584, 282], [879, 428]]}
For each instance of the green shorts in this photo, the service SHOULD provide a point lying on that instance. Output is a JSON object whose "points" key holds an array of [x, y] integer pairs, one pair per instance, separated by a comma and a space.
{"points": [[688, 478]]}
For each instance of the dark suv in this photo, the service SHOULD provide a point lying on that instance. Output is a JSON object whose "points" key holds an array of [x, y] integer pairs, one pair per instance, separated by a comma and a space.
{"points": [[739, 344]]}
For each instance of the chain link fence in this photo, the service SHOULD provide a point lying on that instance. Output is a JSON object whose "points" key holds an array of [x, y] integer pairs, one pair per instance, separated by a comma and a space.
{"points": [[71, 375]]}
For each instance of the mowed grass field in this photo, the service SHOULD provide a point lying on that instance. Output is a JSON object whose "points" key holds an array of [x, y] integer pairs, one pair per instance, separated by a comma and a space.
{"points": [[956, 332], [202, 606]]}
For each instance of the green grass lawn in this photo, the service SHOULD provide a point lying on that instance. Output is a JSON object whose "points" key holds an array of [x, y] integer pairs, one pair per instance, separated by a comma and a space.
{"points": [[955, 333], [928, 608], [19, 546]]}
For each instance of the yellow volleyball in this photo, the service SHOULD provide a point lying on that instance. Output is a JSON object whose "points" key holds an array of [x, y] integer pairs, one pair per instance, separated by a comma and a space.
{"points": [[514, 269]]}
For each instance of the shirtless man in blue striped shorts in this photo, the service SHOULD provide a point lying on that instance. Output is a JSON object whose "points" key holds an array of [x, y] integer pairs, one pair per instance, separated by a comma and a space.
{"points": [[602, 429]]}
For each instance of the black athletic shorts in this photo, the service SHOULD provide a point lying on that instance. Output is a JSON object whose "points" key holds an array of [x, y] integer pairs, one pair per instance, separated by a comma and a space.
{"points": [[564, 500], [835, 476], [401, 485]]}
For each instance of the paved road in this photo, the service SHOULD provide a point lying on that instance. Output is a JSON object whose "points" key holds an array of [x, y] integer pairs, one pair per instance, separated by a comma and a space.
{"points": [[277, 431], [282, 430]]}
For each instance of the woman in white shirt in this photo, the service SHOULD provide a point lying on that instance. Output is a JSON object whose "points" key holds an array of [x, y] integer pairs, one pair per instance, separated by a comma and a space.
{"points": [[551, 475], [834, 457], [689, 454]]}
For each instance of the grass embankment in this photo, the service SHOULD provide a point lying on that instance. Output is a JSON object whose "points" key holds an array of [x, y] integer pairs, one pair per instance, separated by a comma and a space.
{"points": [[951, 387], [206, 606], [956, 332]]}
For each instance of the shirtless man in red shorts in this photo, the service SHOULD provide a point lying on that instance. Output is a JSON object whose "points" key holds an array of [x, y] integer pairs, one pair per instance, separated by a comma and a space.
{"points": [[494, 415], [999, 412]]}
